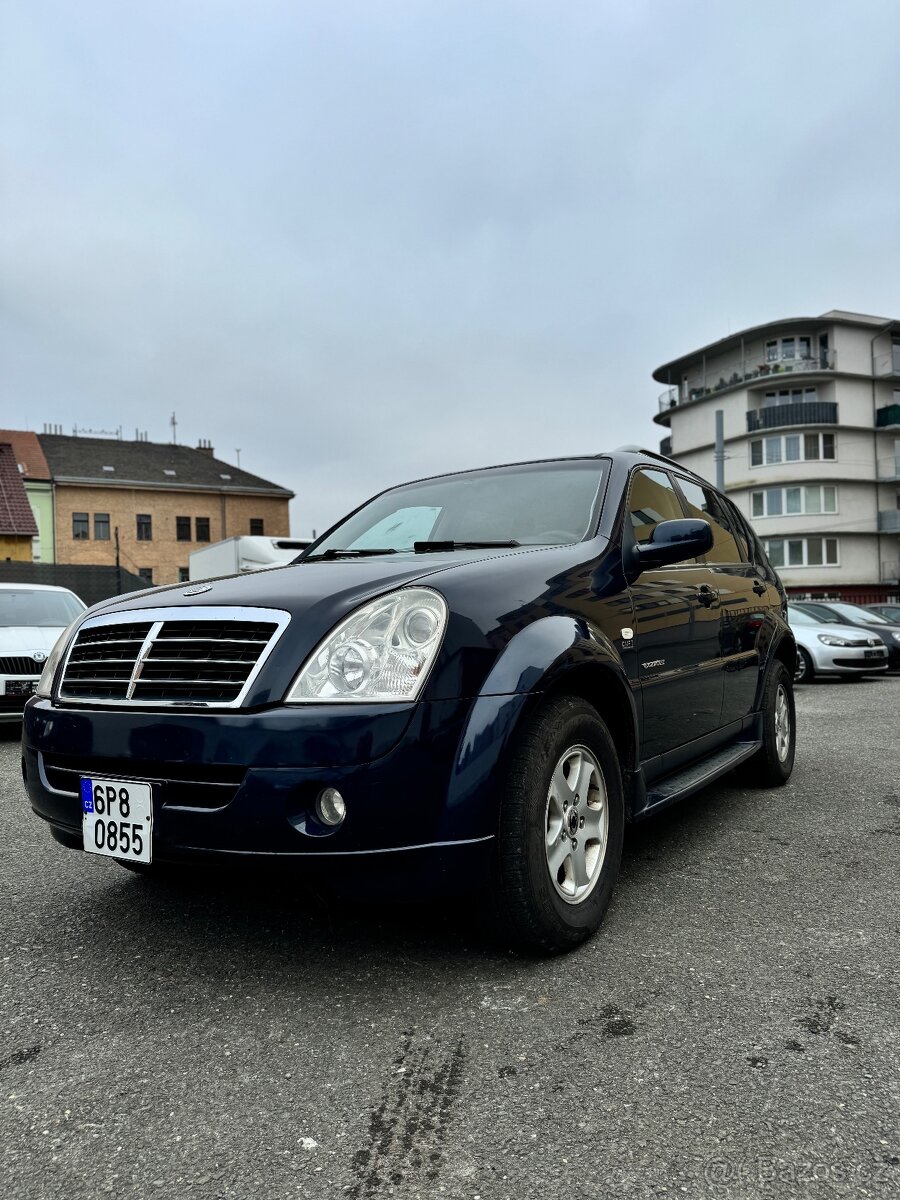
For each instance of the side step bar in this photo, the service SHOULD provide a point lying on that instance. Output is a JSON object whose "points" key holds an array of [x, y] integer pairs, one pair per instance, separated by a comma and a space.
{"points": [[663, 792]]}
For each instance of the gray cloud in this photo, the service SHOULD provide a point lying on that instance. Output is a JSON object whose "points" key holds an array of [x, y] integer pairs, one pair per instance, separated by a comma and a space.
{"points": [[368, 241]]}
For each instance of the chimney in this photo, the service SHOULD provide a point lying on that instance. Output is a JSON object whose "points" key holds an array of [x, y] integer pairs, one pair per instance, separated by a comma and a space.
{"points": [[206, 447]]}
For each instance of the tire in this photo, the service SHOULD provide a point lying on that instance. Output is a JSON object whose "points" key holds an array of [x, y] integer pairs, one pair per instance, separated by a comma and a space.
{"points": [[564, 745], [805, 672], [773, 763]]}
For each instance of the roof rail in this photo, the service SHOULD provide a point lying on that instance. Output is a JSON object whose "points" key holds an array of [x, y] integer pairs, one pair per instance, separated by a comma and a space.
{"points": [[643, 450]]}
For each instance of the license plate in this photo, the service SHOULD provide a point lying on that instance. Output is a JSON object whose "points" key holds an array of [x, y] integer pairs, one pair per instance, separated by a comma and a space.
{"points": [[21, 687], [873, 654], [117, 818]]}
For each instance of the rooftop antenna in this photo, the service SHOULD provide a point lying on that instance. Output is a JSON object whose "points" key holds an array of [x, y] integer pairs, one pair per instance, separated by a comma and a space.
{"points": [[174, 424], [238, 453]]}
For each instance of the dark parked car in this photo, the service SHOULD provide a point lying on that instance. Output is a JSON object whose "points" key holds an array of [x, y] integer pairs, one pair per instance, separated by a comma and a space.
{"points": [[889, 612], [838, 612], [470, 683]]}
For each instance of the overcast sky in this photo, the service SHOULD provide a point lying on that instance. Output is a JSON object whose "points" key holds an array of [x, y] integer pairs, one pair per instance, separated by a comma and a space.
{"points": [[365, 241]]}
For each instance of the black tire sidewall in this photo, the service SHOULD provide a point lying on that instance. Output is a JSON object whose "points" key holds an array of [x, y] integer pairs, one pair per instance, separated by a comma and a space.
{"points": [[538, 914], [808, 671], [774, 772]]}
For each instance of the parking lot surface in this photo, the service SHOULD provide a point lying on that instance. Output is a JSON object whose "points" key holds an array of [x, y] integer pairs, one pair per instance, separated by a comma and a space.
{"points": [[732, 1031]]}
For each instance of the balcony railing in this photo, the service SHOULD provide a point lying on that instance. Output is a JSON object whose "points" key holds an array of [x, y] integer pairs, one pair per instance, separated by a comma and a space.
{"points": [[889, 520], [802, 412], [888, 417], [744, 372], [889, 468], [887, 365]]}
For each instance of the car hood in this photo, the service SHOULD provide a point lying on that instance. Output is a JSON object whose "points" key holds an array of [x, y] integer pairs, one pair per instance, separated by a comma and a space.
{"points": [[23, 639], [303, 588], [319, 594], [806, 634]]}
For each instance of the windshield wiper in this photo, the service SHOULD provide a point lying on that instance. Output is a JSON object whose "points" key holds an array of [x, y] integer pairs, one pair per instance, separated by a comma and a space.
{"points": [[428, 547], [337, 553]]}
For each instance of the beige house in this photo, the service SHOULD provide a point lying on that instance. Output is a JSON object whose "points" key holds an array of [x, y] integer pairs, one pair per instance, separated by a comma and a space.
{"points": [[811, 414], [152, 503]]}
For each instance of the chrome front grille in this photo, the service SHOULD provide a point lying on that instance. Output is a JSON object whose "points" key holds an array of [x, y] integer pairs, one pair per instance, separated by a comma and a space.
{"points": [[20, 664], [205, 657]]}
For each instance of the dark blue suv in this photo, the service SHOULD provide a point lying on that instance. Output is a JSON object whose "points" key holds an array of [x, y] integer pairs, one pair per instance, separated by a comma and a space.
{"points": [[472, 682]]}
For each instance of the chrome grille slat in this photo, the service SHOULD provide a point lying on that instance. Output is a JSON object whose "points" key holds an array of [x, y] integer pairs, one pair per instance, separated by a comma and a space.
{"points": [[20, 664], [175, 657]]}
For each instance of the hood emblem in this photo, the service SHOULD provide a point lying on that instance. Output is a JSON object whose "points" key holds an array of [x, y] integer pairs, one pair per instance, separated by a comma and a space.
{"points": [[39, 656], [198, 590]]}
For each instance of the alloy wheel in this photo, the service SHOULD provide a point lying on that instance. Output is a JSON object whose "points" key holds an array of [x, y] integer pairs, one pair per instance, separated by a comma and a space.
{"points": [[576, 826]]}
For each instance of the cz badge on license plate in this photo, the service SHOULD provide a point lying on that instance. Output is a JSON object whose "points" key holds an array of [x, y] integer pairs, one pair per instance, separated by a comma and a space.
{"points": [[117, 818]]}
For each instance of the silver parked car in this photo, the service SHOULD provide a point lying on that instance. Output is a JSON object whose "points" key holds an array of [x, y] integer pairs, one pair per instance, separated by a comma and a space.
{"points": [[32, 616], [824, 648]]}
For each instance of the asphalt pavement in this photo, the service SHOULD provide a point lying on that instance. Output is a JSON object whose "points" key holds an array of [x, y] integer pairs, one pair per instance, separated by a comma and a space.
{"points": [[731, 1032]]}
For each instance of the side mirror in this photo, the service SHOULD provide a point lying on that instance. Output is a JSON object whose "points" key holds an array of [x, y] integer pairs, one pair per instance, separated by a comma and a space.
{"points": [[674, 542]]}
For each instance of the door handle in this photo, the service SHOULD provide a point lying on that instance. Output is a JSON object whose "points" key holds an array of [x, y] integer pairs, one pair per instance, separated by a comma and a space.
{"points": [[707, 595], [759, 587]]}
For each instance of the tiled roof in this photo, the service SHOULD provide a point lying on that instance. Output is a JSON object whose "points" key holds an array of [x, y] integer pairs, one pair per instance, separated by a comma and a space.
{"points": [[28, 452], [16, 517], [160, 464]]}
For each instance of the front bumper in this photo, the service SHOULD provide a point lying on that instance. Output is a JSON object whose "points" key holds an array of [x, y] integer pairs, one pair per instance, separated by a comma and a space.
{"points": [[849, 660], [243, 784]]}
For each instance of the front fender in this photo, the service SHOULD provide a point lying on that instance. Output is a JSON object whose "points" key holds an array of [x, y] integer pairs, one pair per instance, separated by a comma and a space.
{"points": [[536, 660]]}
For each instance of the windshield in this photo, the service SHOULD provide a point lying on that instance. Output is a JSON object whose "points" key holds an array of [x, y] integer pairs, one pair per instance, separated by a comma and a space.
{"points": [[38, 609], [797, 616], [540, 504], [854, 613]]}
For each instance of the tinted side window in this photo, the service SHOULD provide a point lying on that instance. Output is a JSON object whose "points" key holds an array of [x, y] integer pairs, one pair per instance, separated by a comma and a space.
{"points": [[704, 504], [652, 499], [738, 527]]}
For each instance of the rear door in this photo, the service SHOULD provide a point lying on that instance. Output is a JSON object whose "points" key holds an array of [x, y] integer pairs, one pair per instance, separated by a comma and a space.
{"points": [[676, 629]]}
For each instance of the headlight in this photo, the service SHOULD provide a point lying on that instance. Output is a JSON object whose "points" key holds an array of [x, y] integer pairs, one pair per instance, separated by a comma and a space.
{"points": [[45, 683], [381, 653], [833, 641]]}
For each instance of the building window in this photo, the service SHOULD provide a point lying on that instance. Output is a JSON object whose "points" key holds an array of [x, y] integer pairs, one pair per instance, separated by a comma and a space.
{"points": [[794, 501], [257, 526], [183, 574], [792, 447], [802, 552], [144, 527], [101, 527], [788, 349], [202, 524], [182, 529], [146, 573], [81, 528], [790, 396]]}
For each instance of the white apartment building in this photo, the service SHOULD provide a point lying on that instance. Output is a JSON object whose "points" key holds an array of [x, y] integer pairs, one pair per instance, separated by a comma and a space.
{"points": [[811, 413]]}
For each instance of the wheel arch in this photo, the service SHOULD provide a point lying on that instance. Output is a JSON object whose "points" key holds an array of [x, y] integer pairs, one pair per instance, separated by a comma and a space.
{"points": [[552, 657]]}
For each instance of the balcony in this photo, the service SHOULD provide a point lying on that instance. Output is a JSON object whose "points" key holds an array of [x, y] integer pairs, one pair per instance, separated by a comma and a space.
{"points": [[743, 372], [887, 366], [889, 469], [889, 520], [888, 417], [803, 412]]}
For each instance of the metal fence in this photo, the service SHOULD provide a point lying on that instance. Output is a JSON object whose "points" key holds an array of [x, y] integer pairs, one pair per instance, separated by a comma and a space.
{"points": [[90, 583]]}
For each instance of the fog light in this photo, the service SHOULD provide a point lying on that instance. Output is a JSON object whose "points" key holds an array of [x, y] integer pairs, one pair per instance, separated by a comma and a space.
{"points": [[330, 807]]}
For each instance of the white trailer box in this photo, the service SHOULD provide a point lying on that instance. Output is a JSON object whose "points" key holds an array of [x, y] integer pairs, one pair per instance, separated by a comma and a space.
{"points": [[237, 555]]}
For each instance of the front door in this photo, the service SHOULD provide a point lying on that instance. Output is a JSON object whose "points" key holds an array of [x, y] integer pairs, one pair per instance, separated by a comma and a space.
{"points": [[744, 598], [676, 629]]}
